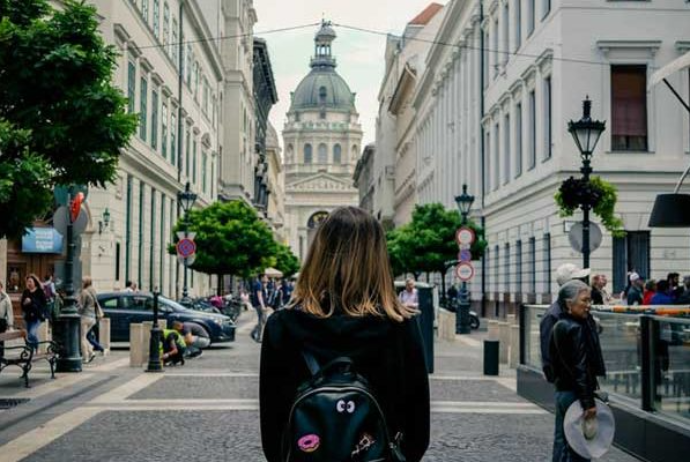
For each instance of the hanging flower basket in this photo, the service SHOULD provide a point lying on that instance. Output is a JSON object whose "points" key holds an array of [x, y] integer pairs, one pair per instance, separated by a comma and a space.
{"points": [[601, 196]]}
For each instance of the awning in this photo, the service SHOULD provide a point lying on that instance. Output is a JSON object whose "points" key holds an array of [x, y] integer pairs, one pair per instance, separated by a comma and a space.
{"points": [[671, 68]]}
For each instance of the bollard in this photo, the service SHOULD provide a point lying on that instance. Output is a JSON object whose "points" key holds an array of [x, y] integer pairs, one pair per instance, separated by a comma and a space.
{"points": [[504, 337], [514, 354], [493, 330], [510, 319], [491, 348], [136, 351]]}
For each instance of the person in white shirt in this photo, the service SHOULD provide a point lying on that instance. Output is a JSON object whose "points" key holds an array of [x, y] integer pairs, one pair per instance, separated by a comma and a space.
{"points": [[408, 297]]}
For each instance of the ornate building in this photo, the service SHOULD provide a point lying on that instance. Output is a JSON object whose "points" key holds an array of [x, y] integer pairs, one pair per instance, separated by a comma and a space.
{"points": [[322, 138]]}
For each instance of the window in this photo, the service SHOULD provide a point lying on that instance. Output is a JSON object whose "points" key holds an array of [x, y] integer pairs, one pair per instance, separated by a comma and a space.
{"points": [[156, 18], [531, 16], [485, 52], [145, 10], [548, 137], [630, 253], [518, 25], [506, 33], [532, 265], [497, 268], [497, 157], [547, 262], [128, 226], [323, 154], [152, 237], [196, 80], [518, 267], [140, 216], [194, 162], [174, 45], [487, 160], [506, 149], [506, 267], [337, 154], [323, 93], [173, 136], [143, 112], [131, 85], [545, 8], [187, 150], [166, 25], [117, 261], [213, 110], [518, 140], [629, 108], [204, 166], [307, 153], [532, 130], [494, 47], [154, 119], [188, 64], [204, 101], [164, 131]]}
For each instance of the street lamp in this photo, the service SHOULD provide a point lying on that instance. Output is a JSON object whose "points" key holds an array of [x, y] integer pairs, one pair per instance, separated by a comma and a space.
{"points": [[155, 364], [586, 133], [462, 314], [186, 200]]}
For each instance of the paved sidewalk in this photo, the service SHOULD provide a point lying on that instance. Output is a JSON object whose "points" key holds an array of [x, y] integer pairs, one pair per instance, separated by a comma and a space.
{"points": [[208, 410]]}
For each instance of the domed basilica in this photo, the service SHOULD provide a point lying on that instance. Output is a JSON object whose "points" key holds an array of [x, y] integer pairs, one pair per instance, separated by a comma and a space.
{"points": [[322, 141]]}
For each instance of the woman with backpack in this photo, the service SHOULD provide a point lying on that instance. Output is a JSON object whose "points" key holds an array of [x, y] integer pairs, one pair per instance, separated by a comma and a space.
{"points": [[34, 309], [342, 375]]}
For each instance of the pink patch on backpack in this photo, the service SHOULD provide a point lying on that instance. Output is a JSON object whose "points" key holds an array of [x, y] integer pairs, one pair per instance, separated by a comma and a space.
{"points": [[309, 443]]}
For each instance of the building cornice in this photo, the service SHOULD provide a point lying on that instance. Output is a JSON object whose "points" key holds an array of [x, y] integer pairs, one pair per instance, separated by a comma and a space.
{"points": [[650, 47]]}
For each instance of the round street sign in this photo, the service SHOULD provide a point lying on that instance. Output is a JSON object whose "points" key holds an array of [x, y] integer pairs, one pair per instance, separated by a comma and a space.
{"points": [[464, 271], [186, 248], [465, 255], [464, 235], [576, 235]]}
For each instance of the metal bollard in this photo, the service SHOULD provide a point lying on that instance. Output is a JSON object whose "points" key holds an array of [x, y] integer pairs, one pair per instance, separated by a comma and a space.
{"points": [[491, 348]]}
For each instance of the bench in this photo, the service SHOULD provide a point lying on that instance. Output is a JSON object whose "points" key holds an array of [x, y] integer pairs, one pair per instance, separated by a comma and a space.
{"points": [[23, 356]]}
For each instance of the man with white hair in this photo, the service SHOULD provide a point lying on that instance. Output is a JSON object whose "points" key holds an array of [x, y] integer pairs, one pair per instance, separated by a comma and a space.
{"points": [[566, 272]]}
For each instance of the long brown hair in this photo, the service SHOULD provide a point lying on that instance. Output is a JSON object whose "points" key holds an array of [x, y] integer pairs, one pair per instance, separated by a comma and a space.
{"points": [[347, 269]]}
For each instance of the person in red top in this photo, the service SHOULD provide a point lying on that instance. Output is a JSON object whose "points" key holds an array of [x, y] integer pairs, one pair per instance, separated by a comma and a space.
{"points": [[649, 291]]}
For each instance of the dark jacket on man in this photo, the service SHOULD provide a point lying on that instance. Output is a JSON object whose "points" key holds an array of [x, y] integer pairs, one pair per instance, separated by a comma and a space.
{"points": [[548, 321], [387, 353], [575, 358]]}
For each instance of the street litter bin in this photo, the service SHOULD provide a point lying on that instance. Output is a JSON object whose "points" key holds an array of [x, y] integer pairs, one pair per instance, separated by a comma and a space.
{"points": [[491, 348], [425, 319]]}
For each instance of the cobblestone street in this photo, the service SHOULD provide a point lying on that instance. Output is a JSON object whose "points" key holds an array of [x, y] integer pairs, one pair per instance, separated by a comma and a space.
{"points": [[208, 410]]}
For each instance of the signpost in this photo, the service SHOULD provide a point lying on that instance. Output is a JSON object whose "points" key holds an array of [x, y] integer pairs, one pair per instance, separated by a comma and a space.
{"points": [[186, 251], [464, 271], [465, 237]]}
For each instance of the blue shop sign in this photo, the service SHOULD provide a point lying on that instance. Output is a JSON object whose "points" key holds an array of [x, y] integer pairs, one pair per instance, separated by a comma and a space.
{"points": [[42, 240]]}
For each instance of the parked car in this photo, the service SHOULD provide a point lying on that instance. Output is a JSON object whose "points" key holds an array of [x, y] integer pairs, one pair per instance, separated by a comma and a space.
{"points": [[125, 308]]}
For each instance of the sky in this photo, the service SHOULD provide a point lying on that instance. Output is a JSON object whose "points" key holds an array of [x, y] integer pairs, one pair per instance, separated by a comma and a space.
{"points": [[359, 54]]}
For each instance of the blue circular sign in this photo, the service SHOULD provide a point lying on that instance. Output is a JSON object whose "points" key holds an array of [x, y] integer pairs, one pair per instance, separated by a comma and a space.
{"points": [[186, 247], [465, 255]]}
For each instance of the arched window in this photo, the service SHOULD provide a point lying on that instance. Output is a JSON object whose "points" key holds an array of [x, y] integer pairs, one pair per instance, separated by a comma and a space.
{"points": [[307, 153], [323, 154], [337, 154], [323, 93]]}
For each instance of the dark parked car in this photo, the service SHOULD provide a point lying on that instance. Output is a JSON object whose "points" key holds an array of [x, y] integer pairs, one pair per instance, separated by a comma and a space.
{"points": [[125, 308]]}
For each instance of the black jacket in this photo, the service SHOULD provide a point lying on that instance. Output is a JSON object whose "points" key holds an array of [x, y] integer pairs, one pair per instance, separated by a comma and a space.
{"points": [[34, 311], [573, 359], [387, 353]]}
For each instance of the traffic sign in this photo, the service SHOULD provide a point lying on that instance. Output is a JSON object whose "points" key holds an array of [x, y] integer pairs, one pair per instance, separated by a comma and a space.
{"points": [[464, 271], [75, 207], [465, 255], [464, 236], [62, 216], [186, 248]]}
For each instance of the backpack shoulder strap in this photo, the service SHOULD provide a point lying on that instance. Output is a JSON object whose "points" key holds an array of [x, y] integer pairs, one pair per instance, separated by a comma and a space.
{"points": [[311, 362]]}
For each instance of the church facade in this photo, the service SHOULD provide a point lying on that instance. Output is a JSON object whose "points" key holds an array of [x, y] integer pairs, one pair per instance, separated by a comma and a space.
{"points": [[322, 140]]}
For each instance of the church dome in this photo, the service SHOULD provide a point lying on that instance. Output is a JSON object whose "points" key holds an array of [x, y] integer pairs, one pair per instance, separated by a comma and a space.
{"points": [[323, 88]]}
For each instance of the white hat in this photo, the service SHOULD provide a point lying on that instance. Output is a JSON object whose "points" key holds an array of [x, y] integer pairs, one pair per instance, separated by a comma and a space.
{"points": [[589, 438], [567, 272], [634, 277]]}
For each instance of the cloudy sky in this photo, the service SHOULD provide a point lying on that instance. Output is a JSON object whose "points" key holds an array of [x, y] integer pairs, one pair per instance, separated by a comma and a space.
{"points": [[359, 54]]}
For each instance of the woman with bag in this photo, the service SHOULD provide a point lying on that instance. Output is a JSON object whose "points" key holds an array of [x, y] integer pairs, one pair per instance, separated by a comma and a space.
{"points": [[344, 313], [576, 361], [88, 309], [34, 308]]}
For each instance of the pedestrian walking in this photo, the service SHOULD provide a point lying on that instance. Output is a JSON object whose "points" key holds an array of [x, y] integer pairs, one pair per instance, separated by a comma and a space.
{"points": [[6, 316], [88, 310], [344, 317], [566, 272], [649, 291], [409, 297], [599, 294], [34, 308], [259, 299], [635, 294], [663, 294], [684, 298], [576, 361]]}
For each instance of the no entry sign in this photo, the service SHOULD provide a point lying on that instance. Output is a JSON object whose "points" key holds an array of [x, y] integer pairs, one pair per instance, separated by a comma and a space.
{"points": [[465, 235], [464, 271]]}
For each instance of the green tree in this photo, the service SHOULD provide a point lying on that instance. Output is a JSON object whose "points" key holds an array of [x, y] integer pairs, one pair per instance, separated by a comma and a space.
{"points": [[230, 239], [427, 243], [286, 261], [61, 119]]}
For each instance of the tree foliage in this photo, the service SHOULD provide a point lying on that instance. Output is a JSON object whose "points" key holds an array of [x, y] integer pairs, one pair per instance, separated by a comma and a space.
{"points": [[62, 119], [286, 261], [230, 239], [427, 243]]}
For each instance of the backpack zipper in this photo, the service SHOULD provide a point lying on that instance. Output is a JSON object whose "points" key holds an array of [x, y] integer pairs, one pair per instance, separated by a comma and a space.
{"points": [[336, 389]]}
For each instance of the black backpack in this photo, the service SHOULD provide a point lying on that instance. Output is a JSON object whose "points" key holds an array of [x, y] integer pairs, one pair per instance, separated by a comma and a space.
{"points": [[335, 417]]}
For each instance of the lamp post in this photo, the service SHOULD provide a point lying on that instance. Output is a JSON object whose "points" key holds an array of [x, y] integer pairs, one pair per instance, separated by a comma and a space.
{"points": [[462, 314], [186, 200], [155, 364], [69, 359], [586, 133]]}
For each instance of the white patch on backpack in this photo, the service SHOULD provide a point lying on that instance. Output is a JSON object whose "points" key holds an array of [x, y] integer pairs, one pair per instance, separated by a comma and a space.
{"points": [[365, 443], [342, 406]]}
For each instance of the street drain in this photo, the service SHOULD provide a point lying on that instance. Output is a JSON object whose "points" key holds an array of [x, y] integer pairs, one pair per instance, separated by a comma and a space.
{"points": [[9, 403]]}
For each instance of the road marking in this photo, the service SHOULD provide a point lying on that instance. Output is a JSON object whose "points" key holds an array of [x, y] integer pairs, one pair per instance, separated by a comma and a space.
{"points": [[60, 382], [34, 440], [212, 374], [128, 389]]}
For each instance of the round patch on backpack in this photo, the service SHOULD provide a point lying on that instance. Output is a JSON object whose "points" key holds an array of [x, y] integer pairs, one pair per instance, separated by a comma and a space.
{"points": [[309, 443]]}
